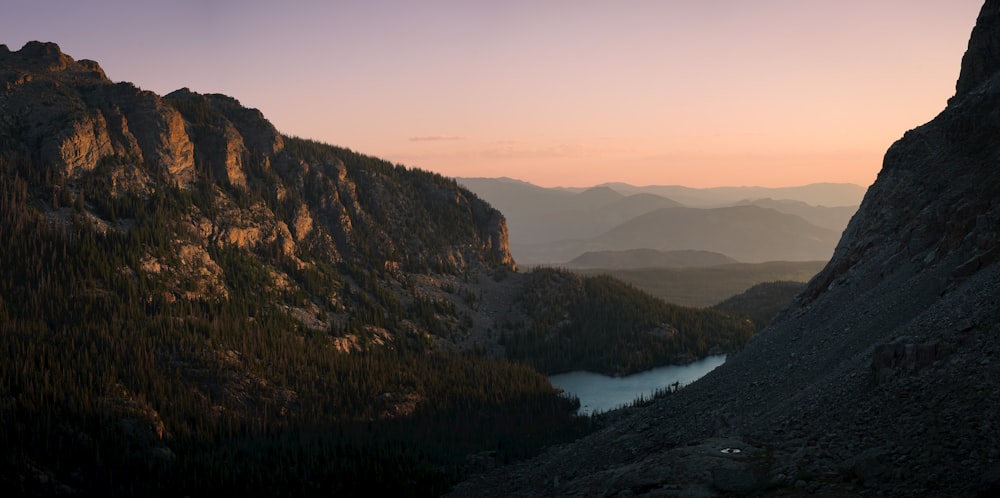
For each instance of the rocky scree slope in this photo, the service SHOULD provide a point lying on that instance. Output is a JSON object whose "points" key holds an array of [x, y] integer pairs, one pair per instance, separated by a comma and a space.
{"points": [[882, 379]]}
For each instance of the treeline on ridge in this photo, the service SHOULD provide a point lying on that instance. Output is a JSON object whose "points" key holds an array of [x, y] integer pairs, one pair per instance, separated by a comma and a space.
{"points": [[601, 324]]}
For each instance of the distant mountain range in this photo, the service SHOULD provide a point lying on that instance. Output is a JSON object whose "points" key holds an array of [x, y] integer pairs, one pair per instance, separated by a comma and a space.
{"points": [[834, 218], [750, 224], [648, 258], [537, 214], [816, 194]]}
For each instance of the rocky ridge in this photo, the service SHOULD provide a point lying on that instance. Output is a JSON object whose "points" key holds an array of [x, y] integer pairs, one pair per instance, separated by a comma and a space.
{"points": [[109, 147], [881, 380]]}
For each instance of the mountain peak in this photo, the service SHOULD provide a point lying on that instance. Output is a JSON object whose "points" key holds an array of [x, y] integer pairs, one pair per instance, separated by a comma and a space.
{"points": [[47, 57], [43, 51], [935, 195], [982, 59], [601, 194]]}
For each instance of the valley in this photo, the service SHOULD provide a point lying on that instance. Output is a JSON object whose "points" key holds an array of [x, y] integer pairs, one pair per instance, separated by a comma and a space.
{"points": [[706, 286], [188, 295]]}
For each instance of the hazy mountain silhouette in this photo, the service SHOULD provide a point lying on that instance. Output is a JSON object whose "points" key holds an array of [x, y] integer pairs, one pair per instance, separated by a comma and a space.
{"points": [[834, 218], [746, 233], [536, 214], [648, 258], [556, 225], [816, 194]]}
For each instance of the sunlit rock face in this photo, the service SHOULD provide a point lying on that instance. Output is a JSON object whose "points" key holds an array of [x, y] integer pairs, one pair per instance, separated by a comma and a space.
{"points": [[68, 117], [229, 138]]}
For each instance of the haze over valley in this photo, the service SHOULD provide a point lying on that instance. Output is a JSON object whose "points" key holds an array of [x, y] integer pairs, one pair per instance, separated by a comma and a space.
{"points": [[555, 226]]}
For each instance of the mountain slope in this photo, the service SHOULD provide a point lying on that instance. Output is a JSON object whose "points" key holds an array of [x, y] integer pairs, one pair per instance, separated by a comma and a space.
{"points": [[816, 194], [833, 218], [745, 233], [881, 379]]}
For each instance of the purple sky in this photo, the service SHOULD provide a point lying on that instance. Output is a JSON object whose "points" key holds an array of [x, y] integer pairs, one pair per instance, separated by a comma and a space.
{"points": [[575, 93]]}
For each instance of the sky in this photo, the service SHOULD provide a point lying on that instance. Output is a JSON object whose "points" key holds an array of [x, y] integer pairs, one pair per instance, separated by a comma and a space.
{"points": [[555, 92]]}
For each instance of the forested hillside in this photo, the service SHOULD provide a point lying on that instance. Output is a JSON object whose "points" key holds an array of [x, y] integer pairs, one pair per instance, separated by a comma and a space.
{"points": [[598, 324], [114, 381]]}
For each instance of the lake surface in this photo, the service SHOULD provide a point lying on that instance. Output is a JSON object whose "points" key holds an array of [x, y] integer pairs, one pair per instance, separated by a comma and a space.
{"points": [[600, 393]]}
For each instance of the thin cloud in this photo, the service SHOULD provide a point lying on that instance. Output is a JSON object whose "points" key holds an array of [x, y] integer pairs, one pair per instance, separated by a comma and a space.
{"points": [[436, 138], [521, 150]]}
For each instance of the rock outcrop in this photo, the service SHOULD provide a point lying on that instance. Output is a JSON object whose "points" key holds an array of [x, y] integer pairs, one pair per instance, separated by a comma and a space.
{"points": [[220, 201], [80, 130], [935, 197], [882, 379], [229, 138], [69, 116]]}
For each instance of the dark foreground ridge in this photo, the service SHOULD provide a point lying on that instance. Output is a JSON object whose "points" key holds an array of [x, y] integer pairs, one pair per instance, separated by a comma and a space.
{"points": [[883, 378]]}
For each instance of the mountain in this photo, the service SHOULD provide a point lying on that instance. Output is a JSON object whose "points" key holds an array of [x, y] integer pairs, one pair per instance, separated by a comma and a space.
{"points": [[815, 194], [538, 215], [833, 218], [647, 258], [86, 131], [745, 233], [555, 225], [881, 378], [192, 303]]}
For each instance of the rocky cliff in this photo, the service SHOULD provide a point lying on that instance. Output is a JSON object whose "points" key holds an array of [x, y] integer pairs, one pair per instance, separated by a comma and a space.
{"points": [[87, 137], [882, 379]]}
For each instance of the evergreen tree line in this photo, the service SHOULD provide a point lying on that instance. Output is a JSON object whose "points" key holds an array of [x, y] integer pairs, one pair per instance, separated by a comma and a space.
{"points": [[118, 387]]}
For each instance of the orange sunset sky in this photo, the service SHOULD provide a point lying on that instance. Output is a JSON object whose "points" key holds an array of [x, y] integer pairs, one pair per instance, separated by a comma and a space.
{"points": [[558, 93]]}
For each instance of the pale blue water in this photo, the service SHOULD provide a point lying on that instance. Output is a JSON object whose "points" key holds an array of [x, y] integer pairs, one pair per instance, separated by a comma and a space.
{"points": [[600, 393]]}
